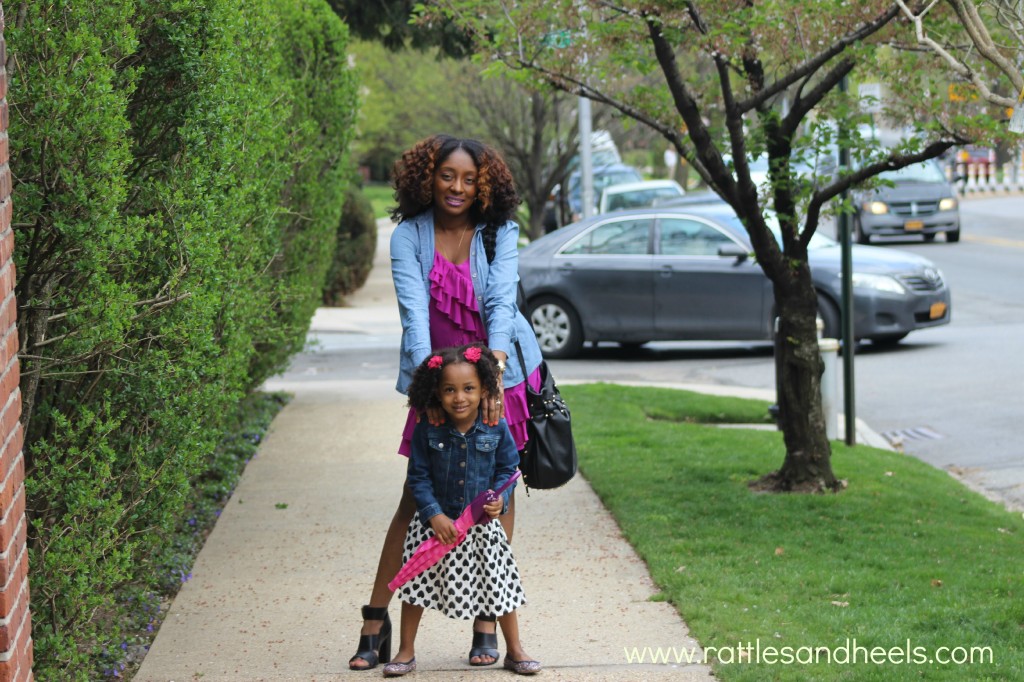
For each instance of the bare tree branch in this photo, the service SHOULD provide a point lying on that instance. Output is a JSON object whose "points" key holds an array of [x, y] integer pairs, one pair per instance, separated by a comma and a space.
{"points": [[980, 38]]}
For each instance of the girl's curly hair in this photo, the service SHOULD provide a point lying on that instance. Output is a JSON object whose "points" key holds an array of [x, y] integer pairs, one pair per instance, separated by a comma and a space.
{"points": [[425, 380], [496, 198]]}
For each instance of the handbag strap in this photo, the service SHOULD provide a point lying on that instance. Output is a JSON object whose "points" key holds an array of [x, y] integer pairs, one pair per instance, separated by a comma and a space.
{"points": [[522, 363]]}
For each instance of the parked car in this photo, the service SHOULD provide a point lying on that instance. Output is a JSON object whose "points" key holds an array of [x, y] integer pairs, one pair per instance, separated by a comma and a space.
{"points": [[637, 194], [920, 201], [604, 176], [974, 155], [686, 274]]}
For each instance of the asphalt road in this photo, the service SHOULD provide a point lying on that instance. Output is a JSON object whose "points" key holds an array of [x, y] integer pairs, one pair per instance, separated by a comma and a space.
{"points": [[951, 396]]}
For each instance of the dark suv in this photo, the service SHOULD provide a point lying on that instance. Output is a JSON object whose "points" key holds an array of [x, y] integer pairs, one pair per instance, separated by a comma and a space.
{"points": [[920, 201]]}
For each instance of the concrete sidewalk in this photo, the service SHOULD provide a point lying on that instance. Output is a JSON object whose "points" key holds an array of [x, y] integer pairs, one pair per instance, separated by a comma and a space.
{"points": [[276, 590]]}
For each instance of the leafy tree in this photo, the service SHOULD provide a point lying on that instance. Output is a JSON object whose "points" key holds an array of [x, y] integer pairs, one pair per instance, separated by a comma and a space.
{"points": [[388, 22], [408, 95], [738, 80], [455, 96]]}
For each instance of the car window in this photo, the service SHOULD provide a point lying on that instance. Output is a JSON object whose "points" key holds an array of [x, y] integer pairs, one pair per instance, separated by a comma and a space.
{"points": [[638, 198], [685, 237], [602, 180], [918, 172], [619, 237]]}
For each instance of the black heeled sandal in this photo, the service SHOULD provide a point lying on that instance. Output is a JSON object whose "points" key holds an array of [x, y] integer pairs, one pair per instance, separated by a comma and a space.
{"points": [[374, 649], [485, 643]]}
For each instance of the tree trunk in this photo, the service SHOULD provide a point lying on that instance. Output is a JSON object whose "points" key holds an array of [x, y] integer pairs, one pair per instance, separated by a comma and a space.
{"points": [[535, 204], [808, 463]]}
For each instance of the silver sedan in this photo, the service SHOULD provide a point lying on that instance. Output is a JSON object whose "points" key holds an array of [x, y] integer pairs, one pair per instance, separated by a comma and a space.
{"points": [[687, 274]]}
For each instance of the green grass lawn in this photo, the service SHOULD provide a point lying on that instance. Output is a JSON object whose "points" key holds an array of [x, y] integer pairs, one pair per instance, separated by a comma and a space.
{"points": [[904, 554], [380, 196]]}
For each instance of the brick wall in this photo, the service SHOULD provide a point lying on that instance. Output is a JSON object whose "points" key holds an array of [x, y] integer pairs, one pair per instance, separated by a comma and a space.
{"points": [[15, 619]]}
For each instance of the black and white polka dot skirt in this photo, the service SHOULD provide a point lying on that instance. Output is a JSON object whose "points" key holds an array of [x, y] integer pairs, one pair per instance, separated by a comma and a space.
{"points": [[477, 578]]}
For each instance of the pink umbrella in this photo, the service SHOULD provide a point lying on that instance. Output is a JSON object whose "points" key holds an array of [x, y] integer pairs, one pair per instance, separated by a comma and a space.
{"points": [[431, 550]]}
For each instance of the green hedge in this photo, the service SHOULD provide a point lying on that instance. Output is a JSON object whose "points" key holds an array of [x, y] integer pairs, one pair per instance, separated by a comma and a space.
{"points": [[357, 242], [178, 183]]}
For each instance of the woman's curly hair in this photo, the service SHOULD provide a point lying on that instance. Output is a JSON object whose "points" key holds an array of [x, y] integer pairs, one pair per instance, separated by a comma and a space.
{"points": [[427, 377], [496, 198]]}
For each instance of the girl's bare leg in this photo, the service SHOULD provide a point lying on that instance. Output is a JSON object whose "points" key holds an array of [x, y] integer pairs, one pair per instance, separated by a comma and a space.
{"points": [[411, 616], [510, 630]]}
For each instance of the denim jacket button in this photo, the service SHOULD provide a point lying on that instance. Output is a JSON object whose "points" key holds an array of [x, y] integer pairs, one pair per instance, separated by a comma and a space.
{"points": [[463, 446], [462, 464], [462, 483]]}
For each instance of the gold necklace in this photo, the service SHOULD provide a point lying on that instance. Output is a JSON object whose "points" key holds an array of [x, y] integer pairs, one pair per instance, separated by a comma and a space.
{"points": [[458, 249]]}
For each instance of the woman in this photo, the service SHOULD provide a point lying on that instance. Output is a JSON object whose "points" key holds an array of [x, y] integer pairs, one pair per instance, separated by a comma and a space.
{"points": [[454, 260]]}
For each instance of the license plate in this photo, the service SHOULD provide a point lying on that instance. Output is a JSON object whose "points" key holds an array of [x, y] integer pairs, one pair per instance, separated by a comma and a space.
{"points": [[936, 311], [913, 225]]}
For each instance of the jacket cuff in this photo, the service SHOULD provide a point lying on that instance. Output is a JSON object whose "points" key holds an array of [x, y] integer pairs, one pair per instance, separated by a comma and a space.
{"points": [[500, 341], [429, 512]]}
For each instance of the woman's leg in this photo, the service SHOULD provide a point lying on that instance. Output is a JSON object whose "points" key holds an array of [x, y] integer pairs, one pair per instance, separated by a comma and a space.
{"points": [[508, 519], [388, 565], [508, 522]]}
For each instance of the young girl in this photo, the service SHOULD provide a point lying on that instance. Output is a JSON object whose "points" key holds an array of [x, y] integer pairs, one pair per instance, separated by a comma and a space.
{"points": [[449, 465]]}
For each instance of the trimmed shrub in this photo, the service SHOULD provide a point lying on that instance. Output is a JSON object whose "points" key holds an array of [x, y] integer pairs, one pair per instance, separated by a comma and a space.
{"points": [[357, 244], [319, 131], [177, 192]]}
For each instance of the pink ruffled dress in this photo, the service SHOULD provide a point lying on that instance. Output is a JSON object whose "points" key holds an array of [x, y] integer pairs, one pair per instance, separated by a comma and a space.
{"points": [[455, 321]]}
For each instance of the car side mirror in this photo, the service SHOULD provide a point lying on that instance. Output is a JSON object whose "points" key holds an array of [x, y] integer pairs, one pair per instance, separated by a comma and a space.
{"points": [[733, 251]]}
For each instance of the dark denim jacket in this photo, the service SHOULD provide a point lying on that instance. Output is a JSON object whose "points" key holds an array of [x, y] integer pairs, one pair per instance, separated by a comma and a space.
{"points": [[448, 469]]}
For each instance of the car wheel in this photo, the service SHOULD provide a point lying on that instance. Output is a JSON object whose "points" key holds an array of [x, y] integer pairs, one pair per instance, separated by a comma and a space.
{"points": [[557, 327], [953, 236], [859, 234], [829, 314]]}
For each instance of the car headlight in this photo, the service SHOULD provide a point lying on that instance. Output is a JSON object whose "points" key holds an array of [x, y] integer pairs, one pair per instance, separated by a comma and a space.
{"points": [[885, 283], [947, 204], [876, 207]]}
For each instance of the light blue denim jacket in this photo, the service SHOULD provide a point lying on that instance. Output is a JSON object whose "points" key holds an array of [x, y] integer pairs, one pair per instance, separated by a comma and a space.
{"points": [[448, 469], [494, 284]]}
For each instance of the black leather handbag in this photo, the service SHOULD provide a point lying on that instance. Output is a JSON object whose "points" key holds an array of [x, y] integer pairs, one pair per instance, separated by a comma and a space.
{"points": [[549, 458]]}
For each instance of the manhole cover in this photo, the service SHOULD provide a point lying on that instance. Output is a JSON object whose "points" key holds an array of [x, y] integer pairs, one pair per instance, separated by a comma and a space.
{"points": [[917, 433]]}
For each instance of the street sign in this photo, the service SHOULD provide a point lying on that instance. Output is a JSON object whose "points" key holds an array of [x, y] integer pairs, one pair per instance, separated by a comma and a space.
{"points": [[870, 95], [557, 39]]}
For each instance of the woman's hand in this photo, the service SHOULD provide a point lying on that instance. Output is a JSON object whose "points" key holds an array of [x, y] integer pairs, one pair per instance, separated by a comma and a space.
{"points": [[493, 407], [435, 415], [444, 529]]}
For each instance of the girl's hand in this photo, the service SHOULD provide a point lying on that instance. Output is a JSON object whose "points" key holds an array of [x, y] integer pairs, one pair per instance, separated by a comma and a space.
{"points": [[493, 509], [444, 529]]}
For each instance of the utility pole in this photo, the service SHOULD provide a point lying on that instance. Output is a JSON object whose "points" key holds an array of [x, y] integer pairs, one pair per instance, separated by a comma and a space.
{"points": [[586, 159], [847, 288]]}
